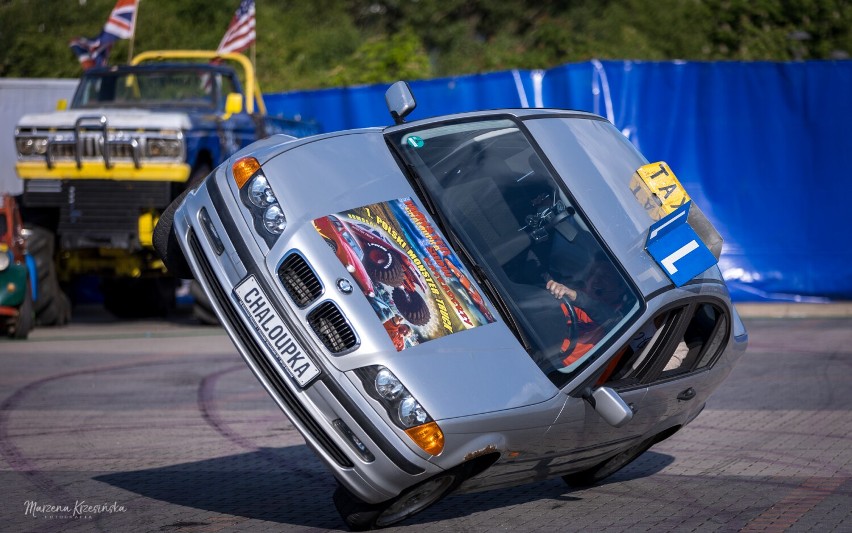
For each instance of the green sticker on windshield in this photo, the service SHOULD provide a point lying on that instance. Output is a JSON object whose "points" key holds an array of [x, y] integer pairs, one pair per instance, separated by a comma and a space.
{"points": [[415, 142]]}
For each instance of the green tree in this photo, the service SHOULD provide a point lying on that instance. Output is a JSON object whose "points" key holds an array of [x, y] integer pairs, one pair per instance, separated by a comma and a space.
{"points": [[310, 44]]}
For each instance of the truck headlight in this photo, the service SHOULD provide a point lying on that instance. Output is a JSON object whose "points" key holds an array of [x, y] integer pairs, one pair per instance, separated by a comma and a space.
{"points": [[5, 260], [403, 409], [256, 193], [28, 146], [164, 148]]}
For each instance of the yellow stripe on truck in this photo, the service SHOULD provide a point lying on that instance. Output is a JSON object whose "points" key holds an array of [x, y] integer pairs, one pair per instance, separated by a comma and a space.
{"points": [[120, 171]]}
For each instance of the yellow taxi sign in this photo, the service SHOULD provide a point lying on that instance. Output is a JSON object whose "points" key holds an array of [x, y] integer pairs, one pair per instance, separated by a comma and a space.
{"points": [[657, 189]]}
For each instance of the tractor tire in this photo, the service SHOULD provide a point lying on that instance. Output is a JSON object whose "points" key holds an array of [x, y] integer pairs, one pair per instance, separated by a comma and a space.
{"points": [[411, 306], [26, 317], [52, 306]]}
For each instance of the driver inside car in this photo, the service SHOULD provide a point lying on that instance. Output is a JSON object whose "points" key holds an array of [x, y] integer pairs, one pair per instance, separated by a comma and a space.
{"points": [[566, 260]]}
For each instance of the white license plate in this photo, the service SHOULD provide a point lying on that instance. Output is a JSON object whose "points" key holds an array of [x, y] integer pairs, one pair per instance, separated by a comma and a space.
{"points": [[278, 338]]}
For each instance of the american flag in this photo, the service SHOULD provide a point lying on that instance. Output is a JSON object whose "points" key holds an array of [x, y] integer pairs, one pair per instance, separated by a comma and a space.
{"points": [[240, 34], [95, 52]]}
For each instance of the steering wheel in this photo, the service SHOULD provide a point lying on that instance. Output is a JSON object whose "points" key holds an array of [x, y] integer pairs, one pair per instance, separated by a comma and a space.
{"points": [[570, 341]]}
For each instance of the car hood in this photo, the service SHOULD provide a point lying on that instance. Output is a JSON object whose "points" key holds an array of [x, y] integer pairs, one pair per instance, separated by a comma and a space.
{"points": [[480, 367], [116, 118]]}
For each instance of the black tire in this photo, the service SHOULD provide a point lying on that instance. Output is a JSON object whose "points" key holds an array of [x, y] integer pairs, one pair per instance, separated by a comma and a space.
{"points": [[166, 243], [52, 306], [26, 316], [362, 516], [383, 264], [139, 297], [603, 470], [202, 309], [411, 306]]}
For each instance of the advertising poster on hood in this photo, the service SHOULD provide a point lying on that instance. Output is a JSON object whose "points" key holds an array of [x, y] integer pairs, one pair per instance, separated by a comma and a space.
{"points": [[415, 283]]}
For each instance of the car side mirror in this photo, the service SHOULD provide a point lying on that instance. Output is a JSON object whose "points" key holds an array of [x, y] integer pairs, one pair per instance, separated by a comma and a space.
{"points": [[233, 105], [610, 406], [400, 101]]}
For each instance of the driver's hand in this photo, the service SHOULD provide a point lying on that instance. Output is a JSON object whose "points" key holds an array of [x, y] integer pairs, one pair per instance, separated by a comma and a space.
{"points": [[559, 290]]}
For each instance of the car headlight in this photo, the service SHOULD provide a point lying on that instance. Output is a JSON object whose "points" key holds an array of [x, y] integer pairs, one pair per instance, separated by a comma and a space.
{"points": [[273, 220], [260, 193], [411, 413], [5, 260], [403, 409], [256, 194], [164, 148], [387, 385], [28, 146]]}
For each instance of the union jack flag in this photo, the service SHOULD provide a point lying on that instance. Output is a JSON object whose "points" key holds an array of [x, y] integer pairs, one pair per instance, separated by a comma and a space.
{"points": [[95, 52], [240, 33]]}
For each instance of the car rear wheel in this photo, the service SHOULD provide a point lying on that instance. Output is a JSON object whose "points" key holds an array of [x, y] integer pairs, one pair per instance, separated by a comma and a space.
{"points": [[361, 516], [603, 470]]}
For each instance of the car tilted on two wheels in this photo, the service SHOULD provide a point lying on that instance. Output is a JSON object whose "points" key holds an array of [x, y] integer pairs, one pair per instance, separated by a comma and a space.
{"points": [[464, 302]]}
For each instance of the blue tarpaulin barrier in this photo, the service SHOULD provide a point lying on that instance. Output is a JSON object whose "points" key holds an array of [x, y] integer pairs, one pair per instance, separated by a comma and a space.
{"points": [[762, 147]]}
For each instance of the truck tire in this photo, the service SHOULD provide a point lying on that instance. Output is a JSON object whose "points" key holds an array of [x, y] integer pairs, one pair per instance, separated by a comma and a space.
{"points": [[52, 306], [139, 297], [411, 306]]}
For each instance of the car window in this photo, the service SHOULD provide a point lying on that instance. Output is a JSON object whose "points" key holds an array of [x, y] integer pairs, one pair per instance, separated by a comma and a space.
{"points": [[700, 343], [676, 341]]}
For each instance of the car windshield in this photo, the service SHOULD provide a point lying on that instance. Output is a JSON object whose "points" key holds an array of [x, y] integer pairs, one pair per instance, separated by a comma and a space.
{"points": [[516, 221], [140, 88]]}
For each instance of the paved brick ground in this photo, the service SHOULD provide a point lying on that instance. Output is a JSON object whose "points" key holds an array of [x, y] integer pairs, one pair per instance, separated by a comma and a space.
{"points": [[163, 425]]}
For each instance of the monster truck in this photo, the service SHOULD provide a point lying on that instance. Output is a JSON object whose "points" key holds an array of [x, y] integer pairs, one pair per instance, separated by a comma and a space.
{"points": [[98, 175]]}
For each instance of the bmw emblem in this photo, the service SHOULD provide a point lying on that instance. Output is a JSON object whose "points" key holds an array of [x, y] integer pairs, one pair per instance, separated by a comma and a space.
{"points": [[344, 286]]}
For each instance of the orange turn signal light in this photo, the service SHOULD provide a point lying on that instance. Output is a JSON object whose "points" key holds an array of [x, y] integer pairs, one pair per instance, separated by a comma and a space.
{"points": [[244, 169], [428, 436]]}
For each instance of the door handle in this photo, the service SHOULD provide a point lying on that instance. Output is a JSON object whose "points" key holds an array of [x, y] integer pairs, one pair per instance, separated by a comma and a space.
{"points": [[687, 395]]}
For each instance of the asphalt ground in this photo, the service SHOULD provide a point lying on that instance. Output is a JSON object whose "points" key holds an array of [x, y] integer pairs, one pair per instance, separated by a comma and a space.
{"points": [[159, 426]]}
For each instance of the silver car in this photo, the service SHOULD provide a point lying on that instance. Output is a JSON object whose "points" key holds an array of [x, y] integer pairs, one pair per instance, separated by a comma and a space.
{"points": [[465, 302]]}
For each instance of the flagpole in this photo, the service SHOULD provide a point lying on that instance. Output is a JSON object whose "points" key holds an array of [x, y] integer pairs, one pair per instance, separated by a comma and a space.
{"points": [[133, 32]]}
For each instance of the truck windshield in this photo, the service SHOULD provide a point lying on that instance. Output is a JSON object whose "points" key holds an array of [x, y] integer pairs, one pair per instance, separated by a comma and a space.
{"points": [[526, 237], [155, 88]]}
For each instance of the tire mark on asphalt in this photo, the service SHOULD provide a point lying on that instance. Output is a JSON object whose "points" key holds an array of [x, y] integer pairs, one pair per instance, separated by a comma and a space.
{"points": [[16, 458], [207, 407]]}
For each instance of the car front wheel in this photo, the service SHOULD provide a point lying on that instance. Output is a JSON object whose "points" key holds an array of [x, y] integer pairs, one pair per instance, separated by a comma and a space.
{"points": [[361, 516]]}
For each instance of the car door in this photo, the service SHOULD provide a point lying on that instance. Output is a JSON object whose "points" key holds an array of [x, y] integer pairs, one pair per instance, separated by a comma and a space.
{"points": [[660, 373]]}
